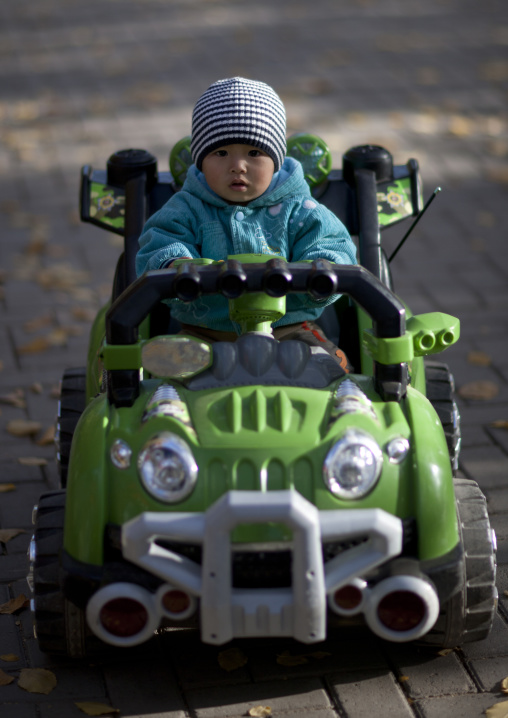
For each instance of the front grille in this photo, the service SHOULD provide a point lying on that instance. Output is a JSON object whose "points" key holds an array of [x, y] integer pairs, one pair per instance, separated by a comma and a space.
{"points": [[269, 569]]}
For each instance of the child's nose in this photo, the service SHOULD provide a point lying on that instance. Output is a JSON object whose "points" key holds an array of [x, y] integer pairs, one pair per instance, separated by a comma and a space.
{"points": [[238, 164]]}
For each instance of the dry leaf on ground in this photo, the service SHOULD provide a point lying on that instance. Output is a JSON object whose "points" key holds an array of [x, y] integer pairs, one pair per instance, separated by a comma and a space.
{"points": [[58, 337], [498, 710], [500, 424], [42, 322], [83, 314], [23, 427], [9, 657], [14, 604], [4, 488], [260, 711], [32, 461], [37, 346], [479, 358], [5, 678], [504, 685], [36, 387], [286, 659], [48, 437], [8, 534], [15, 398], [37, 680], [445, 652], [232, 659], [91, 708], [319, 655], [482, 390]]}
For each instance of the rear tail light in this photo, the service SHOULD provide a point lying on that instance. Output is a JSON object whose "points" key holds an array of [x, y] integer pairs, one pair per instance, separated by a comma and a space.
{"points": [[175, 603], [348, 600], [401, 610], [123, 617], [122, 614]]}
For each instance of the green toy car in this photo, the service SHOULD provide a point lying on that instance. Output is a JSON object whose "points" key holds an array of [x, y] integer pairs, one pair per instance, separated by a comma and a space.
{"points": [[254, 488]]}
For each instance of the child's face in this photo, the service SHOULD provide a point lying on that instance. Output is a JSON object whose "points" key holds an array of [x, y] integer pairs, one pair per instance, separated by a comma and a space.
{"points": [[238, 173]]}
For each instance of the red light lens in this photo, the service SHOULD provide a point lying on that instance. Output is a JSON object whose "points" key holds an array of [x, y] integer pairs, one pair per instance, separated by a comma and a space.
{"points": [[401, 610], [176, 601], [348, 597], [123, 617]]}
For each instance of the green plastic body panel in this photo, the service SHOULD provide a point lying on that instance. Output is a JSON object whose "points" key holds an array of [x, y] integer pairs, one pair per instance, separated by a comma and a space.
{"points": [[87, 487], [259, 438], [426, 334], [434, 497]]}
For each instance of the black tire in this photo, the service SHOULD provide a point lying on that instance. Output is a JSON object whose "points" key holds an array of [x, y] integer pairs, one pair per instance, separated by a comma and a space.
{"points": [[59, 626], [440, 390], [468, 615], [70, 407]]}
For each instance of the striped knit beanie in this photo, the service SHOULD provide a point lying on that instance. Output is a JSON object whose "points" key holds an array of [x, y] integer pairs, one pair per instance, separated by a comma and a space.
{"points": [[239, 111]]}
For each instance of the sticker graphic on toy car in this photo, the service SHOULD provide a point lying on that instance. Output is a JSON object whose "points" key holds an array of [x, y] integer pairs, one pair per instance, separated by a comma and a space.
{"points": [[107, 205], [394, 203]]}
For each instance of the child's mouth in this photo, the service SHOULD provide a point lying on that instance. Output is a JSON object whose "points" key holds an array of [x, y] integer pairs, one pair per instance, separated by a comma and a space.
{"points": [[238, 185]]}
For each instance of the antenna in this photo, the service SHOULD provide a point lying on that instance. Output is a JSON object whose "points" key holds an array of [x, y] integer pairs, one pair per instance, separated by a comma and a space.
{"points": [[418, 218]]}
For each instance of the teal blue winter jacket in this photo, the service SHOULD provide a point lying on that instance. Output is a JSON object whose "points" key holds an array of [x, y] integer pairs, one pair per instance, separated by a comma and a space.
{"points": [[285, 221]]}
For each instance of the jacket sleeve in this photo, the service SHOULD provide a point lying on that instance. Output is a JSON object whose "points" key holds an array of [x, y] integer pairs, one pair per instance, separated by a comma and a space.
{"points": [[169, 233], [319, 235]]}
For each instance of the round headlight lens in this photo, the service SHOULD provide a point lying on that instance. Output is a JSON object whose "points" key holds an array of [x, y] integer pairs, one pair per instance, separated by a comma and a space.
{"points": [[167, 468], [353, 465]]}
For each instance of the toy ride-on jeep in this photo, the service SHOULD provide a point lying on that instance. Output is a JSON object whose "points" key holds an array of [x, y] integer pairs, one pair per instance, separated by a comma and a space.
{"points": [[253, 488]]}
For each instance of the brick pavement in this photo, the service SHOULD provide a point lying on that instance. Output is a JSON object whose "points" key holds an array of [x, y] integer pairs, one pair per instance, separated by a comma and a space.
{"points": [[81, 80]]}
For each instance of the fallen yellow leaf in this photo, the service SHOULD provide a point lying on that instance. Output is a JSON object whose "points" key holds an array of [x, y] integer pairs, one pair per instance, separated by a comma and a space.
{"points": [[260, 711], [23, 427], [15, 398], [5, 678], [445, 652], [38, 323], [504, 685], [232, 659], [500, 424], [318, 655], [36, 346], [482, 390], [498, 710], [32, 461], [9, 657], [83, 314], [91, 708], [58, 337], [14, 604], [48, 437], [286, 659], [8, 534], [37, 680], [479, 358], [4, 488]]}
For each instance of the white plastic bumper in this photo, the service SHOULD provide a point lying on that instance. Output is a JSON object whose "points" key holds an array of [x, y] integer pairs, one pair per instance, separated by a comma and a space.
{"points": [[298, 611]]}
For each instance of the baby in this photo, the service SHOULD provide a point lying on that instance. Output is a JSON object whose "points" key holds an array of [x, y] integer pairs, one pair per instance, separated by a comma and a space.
{"points": [[242, 195]]}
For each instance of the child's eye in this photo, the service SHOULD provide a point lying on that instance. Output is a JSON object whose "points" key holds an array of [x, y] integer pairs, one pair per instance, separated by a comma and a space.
{"points": [[221, 153], [255, 153]]}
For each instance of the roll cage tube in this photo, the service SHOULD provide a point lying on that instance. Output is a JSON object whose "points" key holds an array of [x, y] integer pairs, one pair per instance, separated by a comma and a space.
{"points": [[319, 278]]}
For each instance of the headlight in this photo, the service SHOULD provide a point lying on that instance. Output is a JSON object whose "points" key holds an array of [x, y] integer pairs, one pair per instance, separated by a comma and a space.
{"points": [[353, 464], [167, 468]]}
